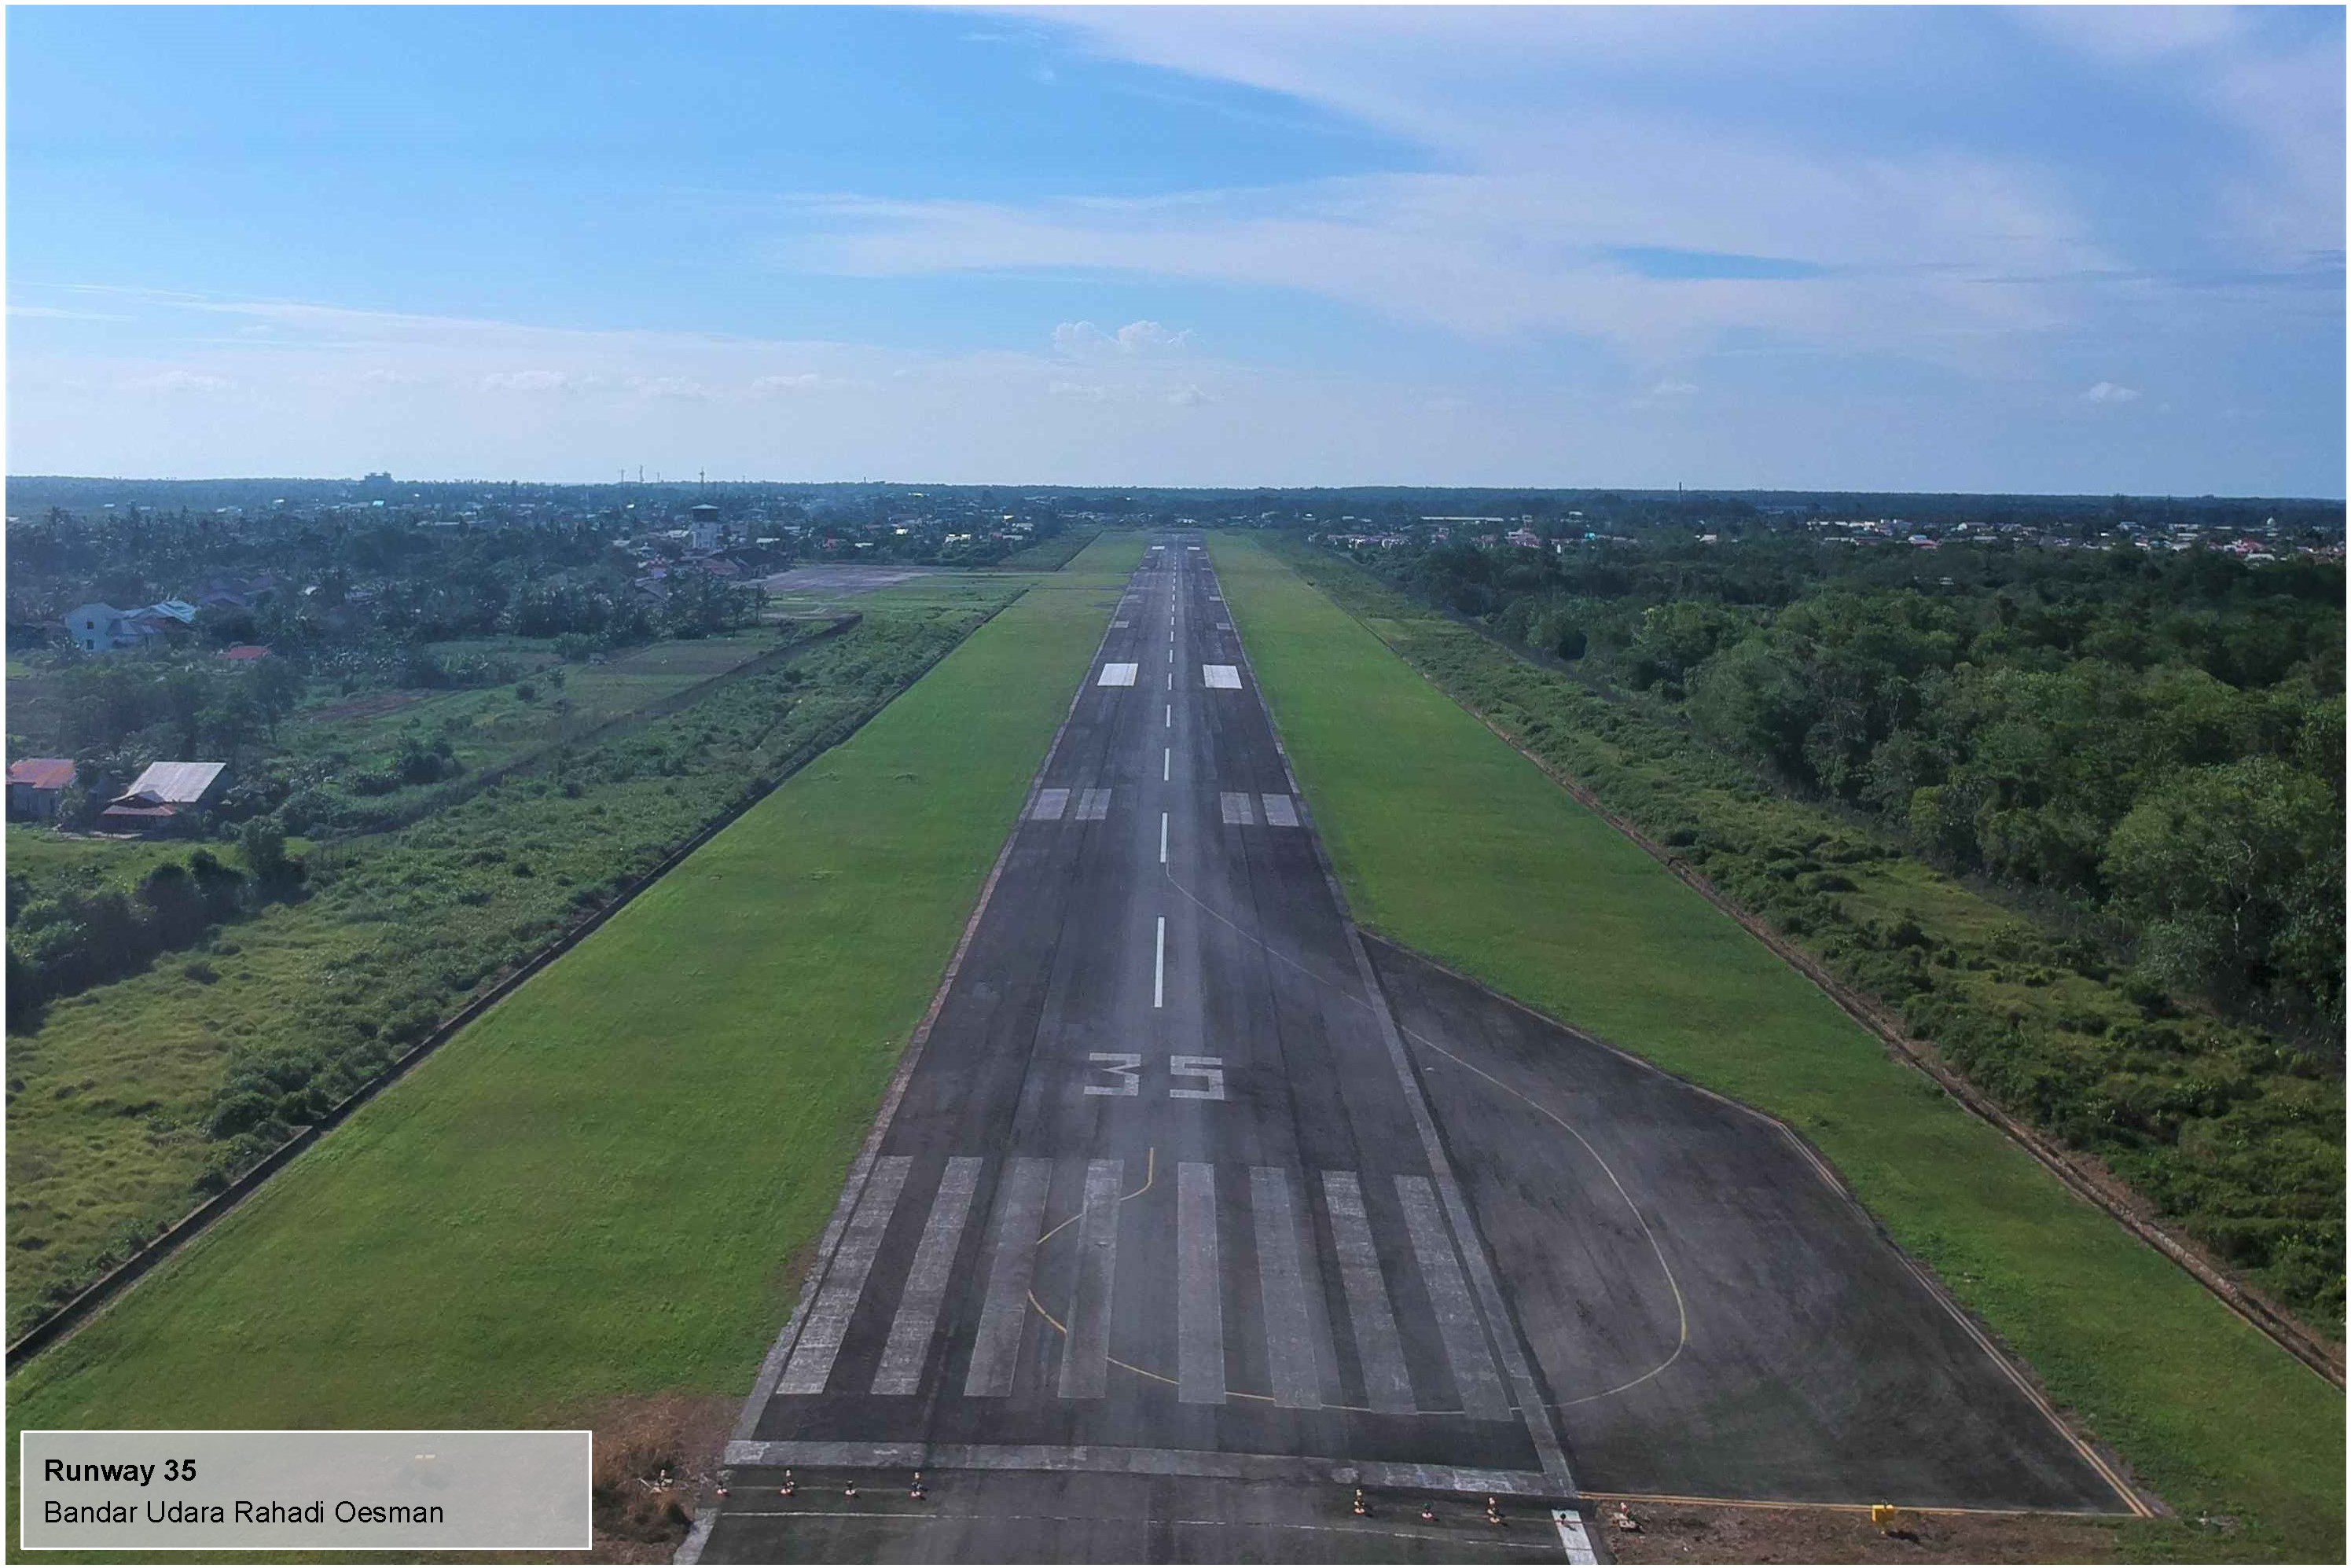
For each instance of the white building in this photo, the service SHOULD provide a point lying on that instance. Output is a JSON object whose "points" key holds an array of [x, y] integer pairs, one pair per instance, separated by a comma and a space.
{"points": [[101, 628]]}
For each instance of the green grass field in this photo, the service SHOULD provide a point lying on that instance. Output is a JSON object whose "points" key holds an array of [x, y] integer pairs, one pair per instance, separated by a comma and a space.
{"points": [[603, 1187], [40, 855], [112, 1091], [491, 725], [1450, 842]]}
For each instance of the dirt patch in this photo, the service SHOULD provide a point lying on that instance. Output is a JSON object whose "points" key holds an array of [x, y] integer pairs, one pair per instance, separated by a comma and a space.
{"points": [[374, 707], [1689, 1534], [654, 1455], [843, 578]]}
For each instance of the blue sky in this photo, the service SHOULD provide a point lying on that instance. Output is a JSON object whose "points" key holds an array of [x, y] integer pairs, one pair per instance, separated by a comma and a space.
{"points": [[2084, 249]]}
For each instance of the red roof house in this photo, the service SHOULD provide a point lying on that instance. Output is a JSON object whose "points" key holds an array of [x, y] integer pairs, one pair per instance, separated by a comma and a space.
{"points": [[35, 783]]}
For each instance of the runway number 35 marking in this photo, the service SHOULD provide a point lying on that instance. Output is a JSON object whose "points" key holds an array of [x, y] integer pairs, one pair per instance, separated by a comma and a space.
{"points": [[1209, 1070], [1124, 1070], [1120, 1066]]}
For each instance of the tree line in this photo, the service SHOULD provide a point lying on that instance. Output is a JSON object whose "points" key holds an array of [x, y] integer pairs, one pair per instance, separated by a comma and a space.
{"points": [[2157, 738]]}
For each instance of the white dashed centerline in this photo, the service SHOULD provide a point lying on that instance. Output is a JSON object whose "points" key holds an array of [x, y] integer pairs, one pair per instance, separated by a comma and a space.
{"points": [[1167, 762], [1163, 838], [1159, 966]]}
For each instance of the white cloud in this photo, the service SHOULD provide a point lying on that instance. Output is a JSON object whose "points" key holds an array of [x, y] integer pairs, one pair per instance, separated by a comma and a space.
{"points": [[177, 381], [683, 388], [2282, 97], [529, 381], [1081, 340], [1558, 134], [1499, 256], [2107, 392], [1674, 389], [336, 391], [59, 313]]}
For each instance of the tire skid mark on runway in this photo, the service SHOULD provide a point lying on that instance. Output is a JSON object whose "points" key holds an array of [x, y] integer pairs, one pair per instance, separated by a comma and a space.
{"points": [[1681, 1307], [1059, 1327]]}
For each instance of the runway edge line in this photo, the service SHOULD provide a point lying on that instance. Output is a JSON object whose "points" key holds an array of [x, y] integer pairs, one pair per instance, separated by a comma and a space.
{"points": [[771, 1368], [1533, 1408]]}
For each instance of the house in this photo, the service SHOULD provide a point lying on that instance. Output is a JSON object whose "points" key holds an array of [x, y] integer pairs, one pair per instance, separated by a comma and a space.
{"points": [[152, 625], [101, 628], [168, 795], [1526, 538], [237, 592], [35, 785]]}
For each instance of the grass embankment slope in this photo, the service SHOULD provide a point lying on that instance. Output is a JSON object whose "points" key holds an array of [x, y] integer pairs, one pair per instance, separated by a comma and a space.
{"points": [[602, 1187], [1450, 842]]}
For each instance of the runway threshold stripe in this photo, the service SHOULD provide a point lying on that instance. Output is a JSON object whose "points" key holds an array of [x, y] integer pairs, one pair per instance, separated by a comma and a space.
{"points": [[1464, 1337], [995, 1348], [1085, 1350], [1572, 1538], [810, 1366], [909, 1345], [1200, 1289], [1387, 1386], [1288, 1328]]}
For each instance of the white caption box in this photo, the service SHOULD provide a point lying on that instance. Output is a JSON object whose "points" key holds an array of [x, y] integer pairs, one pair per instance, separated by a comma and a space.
{"points": [[386, 1492]]}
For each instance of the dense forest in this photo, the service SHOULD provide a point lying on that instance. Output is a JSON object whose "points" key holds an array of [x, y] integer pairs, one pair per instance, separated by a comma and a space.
{"points": [[2153, 740]]}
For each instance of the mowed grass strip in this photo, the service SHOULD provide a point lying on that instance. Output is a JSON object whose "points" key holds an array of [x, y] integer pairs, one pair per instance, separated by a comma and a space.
{"points": [[604, 1188], [1451, 842]]}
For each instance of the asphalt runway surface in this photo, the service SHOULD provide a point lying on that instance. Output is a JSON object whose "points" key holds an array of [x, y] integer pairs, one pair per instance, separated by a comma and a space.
{"points": [[1167, 1227], [1711, 1312]]}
